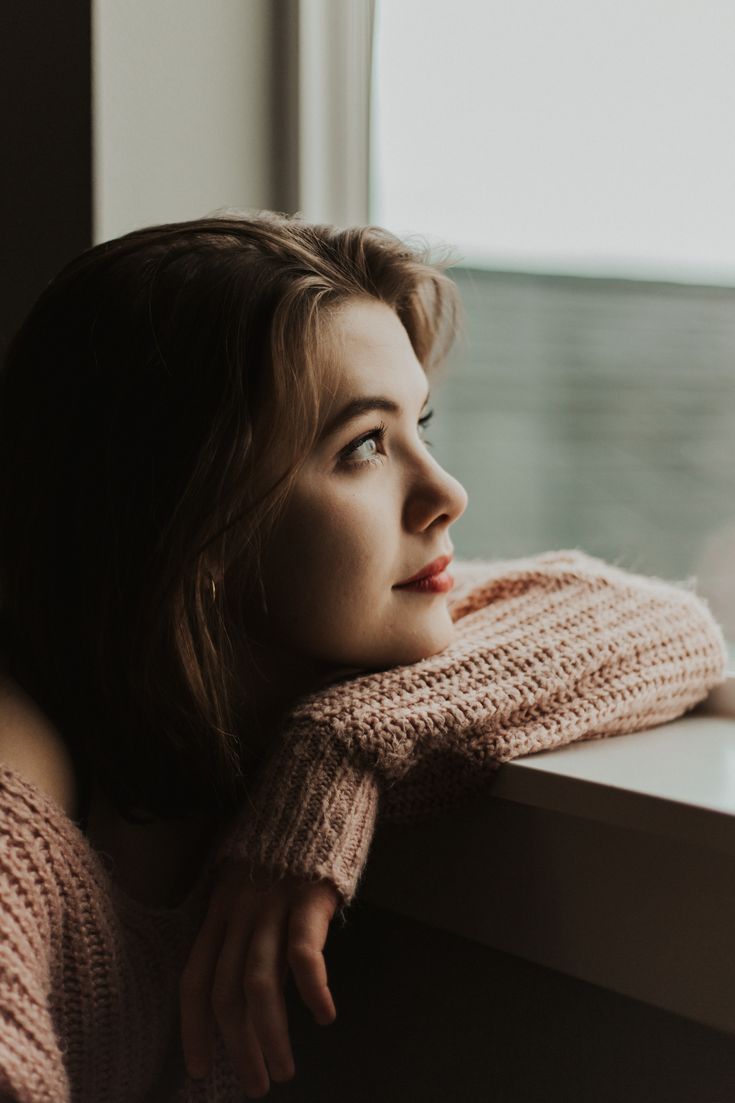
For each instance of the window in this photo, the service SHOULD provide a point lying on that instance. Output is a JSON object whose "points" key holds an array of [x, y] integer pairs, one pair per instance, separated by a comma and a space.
{"points": [[578, 158]]}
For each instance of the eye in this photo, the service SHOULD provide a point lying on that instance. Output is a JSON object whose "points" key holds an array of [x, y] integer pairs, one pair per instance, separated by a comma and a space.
{"points": [[424, 421], [377, 435]]}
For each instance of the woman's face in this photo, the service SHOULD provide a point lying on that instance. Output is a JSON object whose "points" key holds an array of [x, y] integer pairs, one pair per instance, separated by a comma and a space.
{"points": [[365, 514]]}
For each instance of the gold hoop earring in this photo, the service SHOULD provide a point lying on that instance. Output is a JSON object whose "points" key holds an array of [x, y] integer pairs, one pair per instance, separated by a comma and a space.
{"points": [[213, 588]]}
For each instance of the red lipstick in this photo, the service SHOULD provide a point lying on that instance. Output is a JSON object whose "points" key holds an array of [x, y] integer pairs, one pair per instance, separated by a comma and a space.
{"points": [[433, 578]]}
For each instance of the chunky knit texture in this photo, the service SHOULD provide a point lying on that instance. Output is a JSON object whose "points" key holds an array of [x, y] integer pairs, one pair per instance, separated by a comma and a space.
{"points": [[88, 976], [547, 650]]}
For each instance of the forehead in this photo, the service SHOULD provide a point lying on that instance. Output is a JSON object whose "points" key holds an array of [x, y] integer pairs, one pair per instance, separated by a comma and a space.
{"points": [[371, 350]]}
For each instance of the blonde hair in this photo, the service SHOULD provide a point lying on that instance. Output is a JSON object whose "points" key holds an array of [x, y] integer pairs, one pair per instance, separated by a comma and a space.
{"points": [[164, 371]]}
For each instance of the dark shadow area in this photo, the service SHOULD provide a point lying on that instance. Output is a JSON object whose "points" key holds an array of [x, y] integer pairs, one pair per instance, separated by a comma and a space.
{"points": [[424, 1015], [45, 115]]}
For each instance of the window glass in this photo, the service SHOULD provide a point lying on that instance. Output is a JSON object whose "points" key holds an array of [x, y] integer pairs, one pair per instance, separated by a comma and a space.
{"points": [[578, 157]]}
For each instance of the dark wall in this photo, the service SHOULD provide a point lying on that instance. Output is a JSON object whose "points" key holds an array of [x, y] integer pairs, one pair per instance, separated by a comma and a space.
{"points": [[45, 121]]}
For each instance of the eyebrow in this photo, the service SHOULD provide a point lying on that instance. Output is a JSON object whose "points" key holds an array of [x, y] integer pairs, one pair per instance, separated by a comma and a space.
{"points": [[358, 406]]}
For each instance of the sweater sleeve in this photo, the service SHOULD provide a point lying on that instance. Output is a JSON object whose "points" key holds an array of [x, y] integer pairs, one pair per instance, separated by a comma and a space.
{"points": [[547, 650], [660, 653], [31, 1062], [310, 813]]}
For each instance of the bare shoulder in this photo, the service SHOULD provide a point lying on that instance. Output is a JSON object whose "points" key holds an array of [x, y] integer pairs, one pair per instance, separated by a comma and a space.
{"points": [[31, 745]]}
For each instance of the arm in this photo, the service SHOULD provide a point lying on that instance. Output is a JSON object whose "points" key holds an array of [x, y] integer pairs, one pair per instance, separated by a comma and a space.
{"points": [[548, 650], [336, 795], [313, 815], [721, 700], [273, 898]]}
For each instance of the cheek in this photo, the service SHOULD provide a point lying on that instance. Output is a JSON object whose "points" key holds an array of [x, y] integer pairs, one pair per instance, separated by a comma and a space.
{"points": [[329, 577], [329, 564]]}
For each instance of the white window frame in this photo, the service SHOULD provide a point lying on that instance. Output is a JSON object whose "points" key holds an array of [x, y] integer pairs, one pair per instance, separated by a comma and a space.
{"points": [[327, 116]]}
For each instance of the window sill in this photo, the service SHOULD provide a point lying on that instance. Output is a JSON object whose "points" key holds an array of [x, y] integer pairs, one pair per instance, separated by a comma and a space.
{"points": [[610, 860]]}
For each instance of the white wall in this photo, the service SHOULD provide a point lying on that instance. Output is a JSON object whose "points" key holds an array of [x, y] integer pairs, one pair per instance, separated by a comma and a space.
{"points": [[182, 109]]}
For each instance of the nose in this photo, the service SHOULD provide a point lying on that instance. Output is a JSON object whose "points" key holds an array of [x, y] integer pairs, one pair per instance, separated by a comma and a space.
{"points": [[434, 495]]}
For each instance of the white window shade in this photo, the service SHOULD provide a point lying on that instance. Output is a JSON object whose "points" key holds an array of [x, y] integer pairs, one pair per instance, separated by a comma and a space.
{"points": [[590, 139]]}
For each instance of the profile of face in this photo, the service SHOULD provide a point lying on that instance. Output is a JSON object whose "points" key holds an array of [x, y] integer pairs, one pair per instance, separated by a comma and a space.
{"points": [[368, 510]]}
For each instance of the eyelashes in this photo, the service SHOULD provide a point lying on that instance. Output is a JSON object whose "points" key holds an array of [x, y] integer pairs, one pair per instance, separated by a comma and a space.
{"points": [[378, 434]]}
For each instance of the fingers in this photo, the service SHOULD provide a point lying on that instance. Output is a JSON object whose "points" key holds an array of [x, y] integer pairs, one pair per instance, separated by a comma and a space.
{"points": [[307, 934], [237, 971], [234, 1017], [263, 983], [195, 990]]}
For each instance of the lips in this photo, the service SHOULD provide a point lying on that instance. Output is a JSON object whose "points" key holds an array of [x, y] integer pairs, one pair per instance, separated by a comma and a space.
{"points": [[435, 567]]}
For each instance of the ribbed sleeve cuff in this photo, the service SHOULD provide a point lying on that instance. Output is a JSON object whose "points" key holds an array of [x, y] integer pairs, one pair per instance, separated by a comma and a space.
{"points": [[312, 815]]}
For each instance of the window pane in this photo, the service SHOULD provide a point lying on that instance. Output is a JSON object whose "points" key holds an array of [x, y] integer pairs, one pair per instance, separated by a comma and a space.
{"points": [[566, 136], [549, 139]]}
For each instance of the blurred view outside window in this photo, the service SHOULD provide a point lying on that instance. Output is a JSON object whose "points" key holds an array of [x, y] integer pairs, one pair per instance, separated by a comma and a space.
{"points": [[579, 159]]}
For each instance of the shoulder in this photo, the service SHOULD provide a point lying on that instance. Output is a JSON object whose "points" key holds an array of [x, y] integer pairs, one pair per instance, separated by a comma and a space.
{"points": [[31, 745]]}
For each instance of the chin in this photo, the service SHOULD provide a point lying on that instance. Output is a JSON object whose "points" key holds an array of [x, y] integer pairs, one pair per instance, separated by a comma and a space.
{"points": [[423, 646], [395, 645]]}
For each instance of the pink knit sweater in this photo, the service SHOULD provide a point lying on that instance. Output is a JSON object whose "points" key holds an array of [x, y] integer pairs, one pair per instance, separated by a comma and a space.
{"points": [[547, 650]]}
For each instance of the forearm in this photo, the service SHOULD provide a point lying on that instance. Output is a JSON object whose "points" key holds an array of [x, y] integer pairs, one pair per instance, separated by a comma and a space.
{"points": [[547, 650], [312, 815], [524, 640]]}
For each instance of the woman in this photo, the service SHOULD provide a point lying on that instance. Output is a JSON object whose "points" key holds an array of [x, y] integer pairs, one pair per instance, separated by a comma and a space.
{"points": [[214, 491]]}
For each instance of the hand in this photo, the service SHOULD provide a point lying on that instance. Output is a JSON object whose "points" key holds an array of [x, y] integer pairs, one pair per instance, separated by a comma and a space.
{"points": [[238, 967]]}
